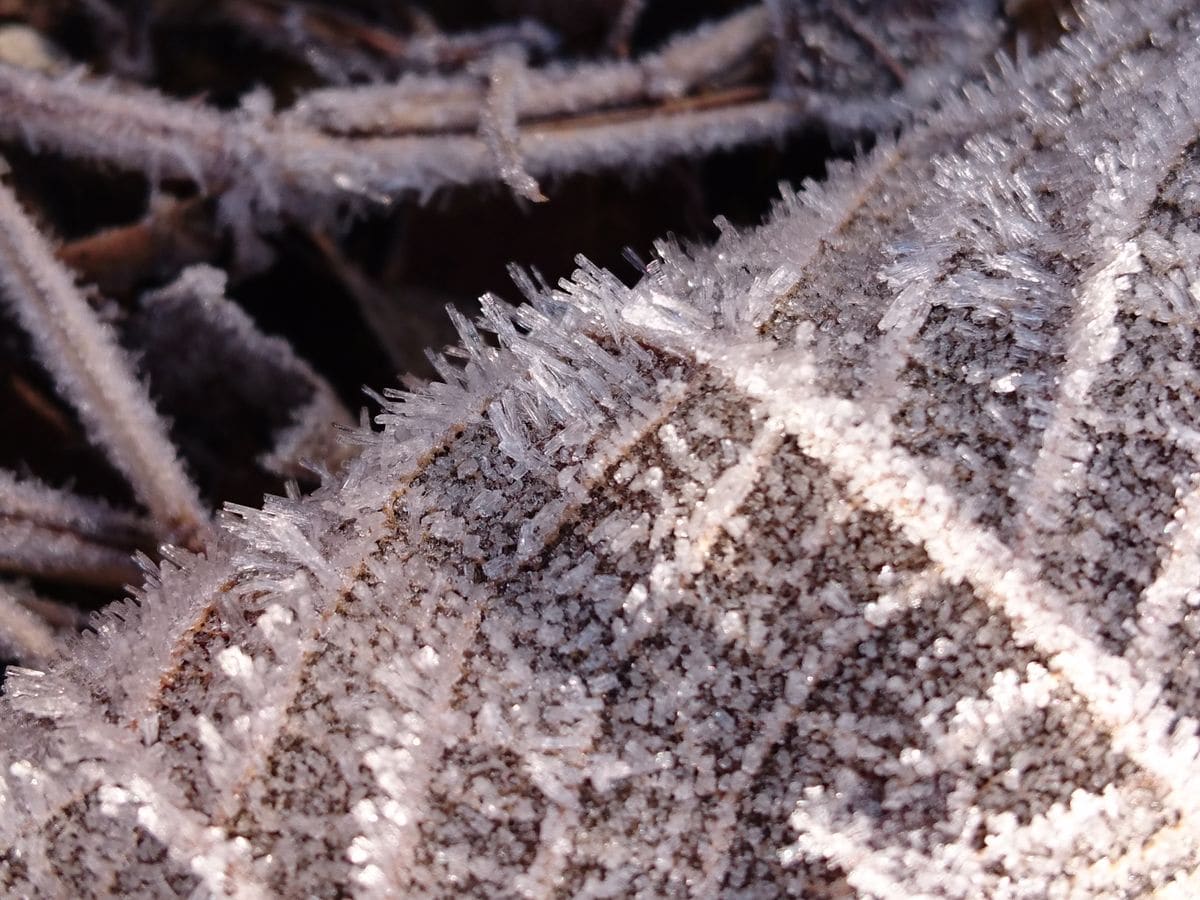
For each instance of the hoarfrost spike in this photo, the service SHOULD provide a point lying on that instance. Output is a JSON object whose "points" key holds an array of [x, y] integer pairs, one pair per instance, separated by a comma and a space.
{"points": [[853, 555]]}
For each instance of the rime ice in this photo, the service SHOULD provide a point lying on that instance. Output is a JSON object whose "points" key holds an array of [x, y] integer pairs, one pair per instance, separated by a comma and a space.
{"points": [[855, 555]]}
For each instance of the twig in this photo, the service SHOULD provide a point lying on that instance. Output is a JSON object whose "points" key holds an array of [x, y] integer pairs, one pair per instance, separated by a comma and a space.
{"points": [[50, 533], [41, 405], [267, 167], [498, 125], [29, 551], [82, 354], [424, 104], [23, 633], [48, 507], [621, 36]]}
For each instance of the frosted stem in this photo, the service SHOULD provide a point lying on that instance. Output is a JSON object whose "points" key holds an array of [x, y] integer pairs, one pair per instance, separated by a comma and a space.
{"points": [[269, 166], [82, 354], [24, 634], [498, 125], [52, 533], [624, 26], [425, 103], [52, 508]]}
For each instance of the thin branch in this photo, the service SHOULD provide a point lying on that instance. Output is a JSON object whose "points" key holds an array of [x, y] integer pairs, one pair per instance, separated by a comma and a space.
{"points": [[23, 636], [620, 38], [31, 551], [31, 628], [498, 124], [269, 166], [425, 104], [82, 354], [50, 533], [49, 507], [42, 406]]}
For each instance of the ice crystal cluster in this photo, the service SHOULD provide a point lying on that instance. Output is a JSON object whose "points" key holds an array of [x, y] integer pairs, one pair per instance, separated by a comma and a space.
{"points": [[856, 555]]}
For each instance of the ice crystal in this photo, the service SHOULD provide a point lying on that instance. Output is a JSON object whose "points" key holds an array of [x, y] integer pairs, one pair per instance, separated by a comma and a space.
{"points": [[854, 555]]}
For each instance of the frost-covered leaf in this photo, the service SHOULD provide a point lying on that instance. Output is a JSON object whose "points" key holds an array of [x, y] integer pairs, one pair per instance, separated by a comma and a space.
{"points": [[193, 337], [853, 555]]}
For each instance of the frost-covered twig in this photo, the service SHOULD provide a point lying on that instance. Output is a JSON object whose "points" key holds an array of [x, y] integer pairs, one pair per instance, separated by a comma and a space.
{"points": [[377, 142], [45, 506], [268, 166], [499, 128], [89, 367], [418, 104], [30, 550], [624, 25], [50, 533], [31, 628], [23, 635]]}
